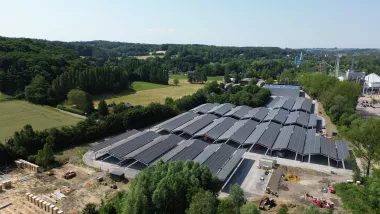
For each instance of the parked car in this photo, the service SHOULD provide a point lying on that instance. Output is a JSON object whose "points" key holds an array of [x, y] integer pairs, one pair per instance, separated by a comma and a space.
{"points": [[69, 175]]}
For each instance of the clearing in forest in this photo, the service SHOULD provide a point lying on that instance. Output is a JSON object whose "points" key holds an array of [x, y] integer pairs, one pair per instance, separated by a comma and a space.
{"points": [[15, 114]]}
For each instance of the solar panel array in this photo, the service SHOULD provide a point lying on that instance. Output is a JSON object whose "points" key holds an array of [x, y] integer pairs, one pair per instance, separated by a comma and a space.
{"points": [[221, 109], [219, 158], [178, 121], [202, 109], [113, 140], [124, 149], [293, 104], [190, 152], [238, 112], [193, 126], [149, 155]]}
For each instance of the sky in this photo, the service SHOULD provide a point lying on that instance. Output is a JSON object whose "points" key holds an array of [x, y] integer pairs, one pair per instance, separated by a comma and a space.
{"points": [[275, 23]]}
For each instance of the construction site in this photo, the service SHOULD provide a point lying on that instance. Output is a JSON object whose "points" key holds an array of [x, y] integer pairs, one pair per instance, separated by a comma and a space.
{"points": [[66, 189]]}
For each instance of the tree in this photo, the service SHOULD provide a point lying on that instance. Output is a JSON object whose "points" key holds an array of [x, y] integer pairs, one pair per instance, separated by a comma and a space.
{"points": [[226, 206], [237, 197], [81, 100], [314, 210], [103, 108], [202, 203], [176, 82], [364, 135], [269, 80], [90, 208], [45, 157], [38, 90], [249, 208]]}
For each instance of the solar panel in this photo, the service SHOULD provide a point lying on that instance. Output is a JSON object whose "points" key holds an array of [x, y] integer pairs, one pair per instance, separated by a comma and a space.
{"points": [[261, 114], [269, 136], [342, 149], [283, 138], [313, 121], [149, 155], [288, 105], [207, 107], [232, 111], [298, 104], [198, 107], [179, 121], [303, 119], [244, 132], [271, 115], [328, 148], [124, 149], [226, 135], [203, 131], [221, 128], [230, 165], [256, 134], [219, 158], [190, 152], [240, 113], [292, 118], [199, 124], [306, 105], [113, 140], [312, 143], [272, 102], [222, 109], [209, 150], [297, 140], [281, 116], [251, 113], [281, 102], [181, 146]]}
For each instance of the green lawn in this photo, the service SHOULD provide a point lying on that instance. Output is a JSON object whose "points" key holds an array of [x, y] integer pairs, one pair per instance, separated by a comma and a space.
{"points": [[141, 86], [209, 78], [16, 114]]}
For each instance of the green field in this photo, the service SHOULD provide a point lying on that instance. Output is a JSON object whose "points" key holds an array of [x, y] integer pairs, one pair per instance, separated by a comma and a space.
{"points": [[141, 86], [16, 114], [184, 77], [145, 93]]}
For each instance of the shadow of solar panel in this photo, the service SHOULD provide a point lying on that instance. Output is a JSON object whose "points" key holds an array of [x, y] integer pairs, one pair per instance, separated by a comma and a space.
{"points": [[244, 132], [230, 165], [190, 152], [130, 146], [179, 121], [219, 158], [221, 128], [113, 140], [149, 155]]}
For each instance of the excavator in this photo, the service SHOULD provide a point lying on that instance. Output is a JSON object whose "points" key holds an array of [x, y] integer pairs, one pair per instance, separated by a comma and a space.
{"points": [[266, 201]]}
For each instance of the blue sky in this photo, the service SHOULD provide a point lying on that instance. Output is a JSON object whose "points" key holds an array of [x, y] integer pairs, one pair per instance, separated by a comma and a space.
{"points": [[281, 23]]}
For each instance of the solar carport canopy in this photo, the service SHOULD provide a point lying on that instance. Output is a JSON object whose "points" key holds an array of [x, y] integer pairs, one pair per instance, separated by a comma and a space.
{"points": [[191, 151], [113, 140], [178, 121], [217, 128], [342, 149], [238, 112], [152, 153], [297, 140], [244, 132], [204, 108], [131, 145], [312, 143], [328, 148], [230, 165], [221, 109], [196, 124], [219, 158], [269, 136]]}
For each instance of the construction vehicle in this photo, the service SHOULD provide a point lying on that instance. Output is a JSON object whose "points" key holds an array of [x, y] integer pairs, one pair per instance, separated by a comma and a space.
{"points": [[50, 172], [69, 175], [99, 179], [321, 203], [266, 201]]}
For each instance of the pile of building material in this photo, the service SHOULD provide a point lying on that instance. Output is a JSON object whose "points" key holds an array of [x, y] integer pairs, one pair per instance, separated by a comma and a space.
{"points": [[26, 165], [43, 205]]}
